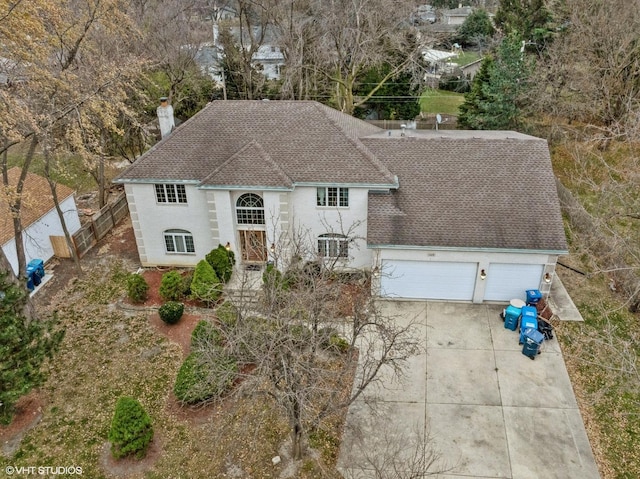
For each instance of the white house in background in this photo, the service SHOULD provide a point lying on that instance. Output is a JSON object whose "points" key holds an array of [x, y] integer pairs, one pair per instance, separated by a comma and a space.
{"points": [[40, 220], [448, 215]]}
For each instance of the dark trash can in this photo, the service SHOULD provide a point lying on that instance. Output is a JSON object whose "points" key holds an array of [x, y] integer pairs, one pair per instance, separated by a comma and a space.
{"points": [[531, 342], [545, 328]]}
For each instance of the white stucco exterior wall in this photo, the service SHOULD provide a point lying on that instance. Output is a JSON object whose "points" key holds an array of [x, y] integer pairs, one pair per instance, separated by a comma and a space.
{"points": [[151, 219], [209, 215], [350, 221], [36, 236]]}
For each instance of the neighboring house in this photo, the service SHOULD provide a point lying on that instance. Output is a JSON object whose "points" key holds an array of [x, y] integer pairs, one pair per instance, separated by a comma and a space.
{"points": [[456, 16], [268, 57], [40, 221], [449, 215], [439, 61]]}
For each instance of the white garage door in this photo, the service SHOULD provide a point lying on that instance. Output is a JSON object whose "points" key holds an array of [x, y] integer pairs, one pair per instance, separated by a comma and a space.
{"points": [[509, 281], [428, 280]]}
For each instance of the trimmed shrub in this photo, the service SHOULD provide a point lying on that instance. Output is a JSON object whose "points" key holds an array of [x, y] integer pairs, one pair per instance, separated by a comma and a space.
{"points": [[222, 262], [171, 312], [205, 334], [171, 286], [137, 288], [198, 381], [131, 431], [227, 314], [205, 285]]}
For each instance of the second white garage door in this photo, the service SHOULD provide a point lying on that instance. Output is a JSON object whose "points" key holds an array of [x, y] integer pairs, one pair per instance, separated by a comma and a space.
{"points": [[509, 281], [428, 280]]}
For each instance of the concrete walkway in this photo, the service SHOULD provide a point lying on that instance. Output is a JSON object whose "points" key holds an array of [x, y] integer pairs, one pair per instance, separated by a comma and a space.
{"points": [[490, 411]]}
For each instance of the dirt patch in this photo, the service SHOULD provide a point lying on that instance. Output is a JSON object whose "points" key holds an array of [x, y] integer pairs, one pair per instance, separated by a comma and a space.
{"points": [[28, 414], [180, 332]]}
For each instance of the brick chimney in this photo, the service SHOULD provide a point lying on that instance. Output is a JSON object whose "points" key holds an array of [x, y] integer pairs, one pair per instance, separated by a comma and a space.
{"points": [[165, 117]]}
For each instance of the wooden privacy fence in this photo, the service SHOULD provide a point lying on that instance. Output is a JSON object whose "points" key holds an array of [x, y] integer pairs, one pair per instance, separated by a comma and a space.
{"points": [[101, 223]]}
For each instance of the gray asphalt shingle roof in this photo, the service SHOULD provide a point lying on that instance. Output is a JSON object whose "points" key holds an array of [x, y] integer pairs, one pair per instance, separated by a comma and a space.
{"points": [[310, 142], [464, 189], [457, 189]]}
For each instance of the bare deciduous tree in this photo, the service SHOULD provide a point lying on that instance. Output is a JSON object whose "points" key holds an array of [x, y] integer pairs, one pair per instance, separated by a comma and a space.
{"points": [[314, 341]]}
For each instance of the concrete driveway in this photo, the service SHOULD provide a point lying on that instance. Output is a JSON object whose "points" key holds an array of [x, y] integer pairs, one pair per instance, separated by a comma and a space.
{"points": [[482, 408]]}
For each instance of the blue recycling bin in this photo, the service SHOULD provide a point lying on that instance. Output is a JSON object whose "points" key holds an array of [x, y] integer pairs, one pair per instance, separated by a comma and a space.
{"points": [[531, 342], [528, 319], [511, 316], [36, 265], [533, 296], [35, 272]]}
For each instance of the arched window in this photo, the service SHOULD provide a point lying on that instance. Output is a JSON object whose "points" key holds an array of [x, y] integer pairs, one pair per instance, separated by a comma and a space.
{"points": [[333, 245], [179, 241], [250, 209]]}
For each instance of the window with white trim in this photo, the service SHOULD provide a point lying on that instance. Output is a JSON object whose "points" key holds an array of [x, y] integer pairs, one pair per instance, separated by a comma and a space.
{"points": [[332, 196], [250, 209], [333, 245], [169, 193], [179, 241]]}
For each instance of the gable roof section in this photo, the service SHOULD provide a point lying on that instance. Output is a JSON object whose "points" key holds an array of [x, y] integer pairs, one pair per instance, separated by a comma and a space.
{"points": [[311, 143], [251, 165], [37, 201], [460, 189]]}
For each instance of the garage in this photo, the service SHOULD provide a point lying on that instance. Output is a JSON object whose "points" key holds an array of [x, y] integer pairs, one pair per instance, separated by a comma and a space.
{"points": [[508, 281], [428, 280]]}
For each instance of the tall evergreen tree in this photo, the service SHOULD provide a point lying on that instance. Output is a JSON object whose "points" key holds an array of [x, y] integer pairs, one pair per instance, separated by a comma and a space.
{"points": [[24, 345], [471, 113], [497, 96]]}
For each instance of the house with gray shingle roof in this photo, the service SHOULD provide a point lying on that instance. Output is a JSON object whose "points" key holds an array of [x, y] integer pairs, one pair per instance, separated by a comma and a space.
{"points": [[452, 215]]}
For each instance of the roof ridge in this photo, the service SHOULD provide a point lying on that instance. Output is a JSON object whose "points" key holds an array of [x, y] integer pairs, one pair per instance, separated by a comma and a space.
{"points": [[262, 154], [355, 140]]}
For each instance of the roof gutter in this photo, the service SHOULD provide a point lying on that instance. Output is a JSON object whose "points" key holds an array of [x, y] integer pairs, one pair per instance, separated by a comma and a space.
{"points": [[465, 249]]}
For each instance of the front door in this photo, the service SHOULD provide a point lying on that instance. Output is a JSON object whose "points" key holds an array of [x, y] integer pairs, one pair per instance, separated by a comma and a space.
{"points": [[254, 246]]}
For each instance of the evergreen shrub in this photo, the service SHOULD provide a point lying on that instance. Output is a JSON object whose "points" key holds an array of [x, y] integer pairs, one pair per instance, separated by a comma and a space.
{"points": [[131, 430], [171, 312], [137, 288], [171, 286]]}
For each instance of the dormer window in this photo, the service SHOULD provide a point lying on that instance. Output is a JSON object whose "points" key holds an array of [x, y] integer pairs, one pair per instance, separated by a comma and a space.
{"points": [[332, 196]]}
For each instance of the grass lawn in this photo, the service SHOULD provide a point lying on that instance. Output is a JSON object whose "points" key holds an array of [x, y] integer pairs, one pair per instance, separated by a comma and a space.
{"points": [[108, 353], [440, 101], [603, 353]]}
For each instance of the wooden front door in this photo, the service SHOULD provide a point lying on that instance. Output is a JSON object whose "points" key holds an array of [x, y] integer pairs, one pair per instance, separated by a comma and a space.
{"points": [[254, 247]]}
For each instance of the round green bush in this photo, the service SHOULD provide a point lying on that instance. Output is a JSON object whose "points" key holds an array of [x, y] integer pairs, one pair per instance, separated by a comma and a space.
{"points": [[171, 312], [137, 288], [131, 431], [199, 381], [171, 286]]}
